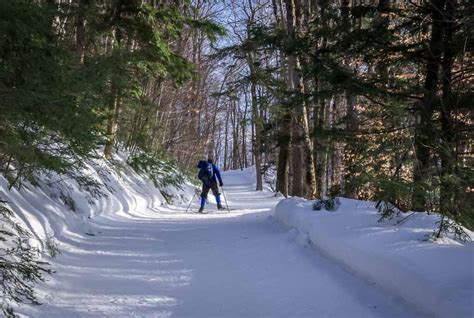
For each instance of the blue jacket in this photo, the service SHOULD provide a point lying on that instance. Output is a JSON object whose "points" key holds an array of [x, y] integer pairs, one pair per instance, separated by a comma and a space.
{"points": [[217, 173]]}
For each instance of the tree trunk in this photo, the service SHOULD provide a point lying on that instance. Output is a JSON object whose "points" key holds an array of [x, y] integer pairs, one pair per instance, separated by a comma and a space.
{"points": [[320, 145], [115, 106], [243, 141], [319, 112], [81, 29], [448, 148], [297, 161], [425, 131], [226, 141], [303, 162], [284, 129], [284, 141], [256, 122], [114, 110], [235, 136]]}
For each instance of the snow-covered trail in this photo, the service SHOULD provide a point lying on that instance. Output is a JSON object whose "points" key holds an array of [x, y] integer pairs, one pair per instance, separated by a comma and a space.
{"points": [[171, 264]]}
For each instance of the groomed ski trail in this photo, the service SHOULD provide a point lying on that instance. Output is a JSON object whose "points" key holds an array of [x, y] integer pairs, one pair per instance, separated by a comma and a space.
{"points": [[170, 264]]}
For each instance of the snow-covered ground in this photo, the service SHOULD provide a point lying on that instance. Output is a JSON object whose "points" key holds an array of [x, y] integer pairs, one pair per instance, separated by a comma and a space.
{"points": [[438, 277], [138, 257], [58, 208]]}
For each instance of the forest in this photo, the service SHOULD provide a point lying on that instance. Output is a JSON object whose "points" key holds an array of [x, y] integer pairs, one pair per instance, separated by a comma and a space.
{"points": [[368, 99], [363, 99]]}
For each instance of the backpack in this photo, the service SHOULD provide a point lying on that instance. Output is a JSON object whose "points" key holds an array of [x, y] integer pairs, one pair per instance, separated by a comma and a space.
{"points": [[206, 172]]}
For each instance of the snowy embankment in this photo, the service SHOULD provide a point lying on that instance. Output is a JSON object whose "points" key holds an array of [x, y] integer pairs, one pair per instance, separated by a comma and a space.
{"points": [[58, 208], [438, 277], [168, 263]]}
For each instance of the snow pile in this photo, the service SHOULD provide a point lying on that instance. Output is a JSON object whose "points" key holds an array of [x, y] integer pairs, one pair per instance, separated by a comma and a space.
{"points": [[58, 206], [436, 277]]}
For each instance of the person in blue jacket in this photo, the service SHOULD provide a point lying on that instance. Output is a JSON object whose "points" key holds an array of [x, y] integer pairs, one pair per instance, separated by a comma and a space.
{"points": [[209, 174]]}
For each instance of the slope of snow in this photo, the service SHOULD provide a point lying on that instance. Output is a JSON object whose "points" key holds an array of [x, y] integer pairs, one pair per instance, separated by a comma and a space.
{"points": [[136, 258], [128, 254], [58, 206], [439, 278]]}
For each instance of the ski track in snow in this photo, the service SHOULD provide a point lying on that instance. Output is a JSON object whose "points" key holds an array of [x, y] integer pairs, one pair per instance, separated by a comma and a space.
{"points": [[170, 264]]}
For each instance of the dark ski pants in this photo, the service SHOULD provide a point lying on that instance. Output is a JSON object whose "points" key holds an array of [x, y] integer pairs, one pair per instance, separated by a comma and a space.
{"points": [[215, 190]]}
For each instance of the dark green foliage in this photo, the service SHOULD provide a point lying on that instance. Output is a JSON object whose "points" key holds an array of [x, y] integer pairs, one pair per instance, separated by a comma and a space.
{"points": [[447, 226], [331, 203], [408, 91], [163, 173], [52, 247], [168, 197], [55, 101], [318, 205], [20, 265], [143, 57], [47, 122], [53, 106], [391, 48], [387, 211]]}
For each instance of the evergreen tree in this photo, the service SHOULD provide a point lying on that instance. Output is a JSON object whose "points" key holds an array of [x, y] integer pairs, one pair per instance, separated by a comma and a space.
{"points": [[386, 123]]}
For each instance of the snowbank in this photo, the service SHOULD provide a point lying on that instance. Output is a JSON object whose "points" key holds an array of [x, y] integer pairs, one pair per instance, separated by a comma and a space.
{"points": [[58, 207], [436, 277]]}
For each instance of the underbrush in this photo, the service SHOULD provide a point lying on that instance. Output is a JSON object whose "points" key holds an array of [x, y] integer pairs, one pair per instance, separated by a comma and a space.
{"points": [[21, 266]]}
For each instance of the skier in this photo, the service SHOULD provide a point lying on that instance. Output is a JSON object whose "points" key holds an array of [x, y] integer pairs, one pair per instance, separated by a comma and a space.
{"points": [[209, 174]]}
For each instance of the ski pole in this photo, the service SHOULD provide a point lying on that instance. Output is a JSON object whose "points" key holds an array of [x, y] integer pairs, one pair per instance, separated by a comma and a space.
{"points": [[225, 198], [191, 202]]}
